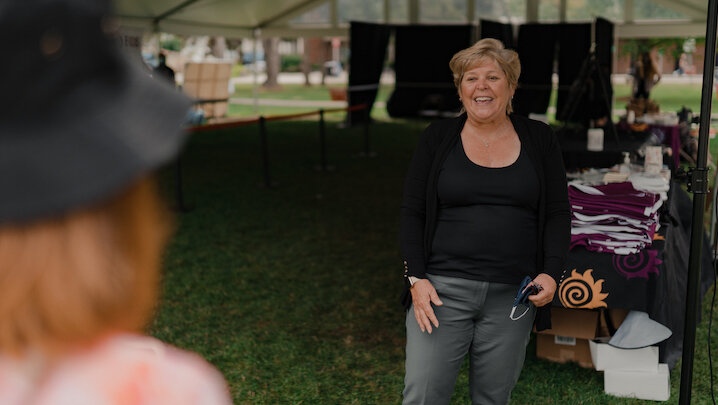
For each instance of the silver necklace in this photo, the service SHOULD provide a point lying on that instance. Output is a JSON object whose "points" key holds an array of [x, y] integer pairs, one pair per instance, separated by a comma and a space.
{"points": [[486, 143]]}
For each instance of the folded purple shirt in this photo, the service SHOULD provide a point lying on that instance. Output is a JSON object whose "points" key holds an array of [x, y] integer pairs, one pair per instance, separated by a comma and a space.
{"points": [[613, 218]]}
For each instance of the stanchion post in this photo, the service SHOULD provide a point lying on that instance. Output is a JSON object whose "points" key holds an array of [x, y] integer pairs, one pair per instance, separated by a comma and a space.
{"points": [[265, 150], [367, 149], [322, 141], [179, 198]]}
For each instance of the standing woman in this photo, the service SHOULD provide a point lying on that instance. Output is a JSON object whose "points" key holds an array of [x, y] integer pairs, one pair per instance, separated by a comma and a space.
{"points": [[645, 75], [81, 226], [485, 205]]}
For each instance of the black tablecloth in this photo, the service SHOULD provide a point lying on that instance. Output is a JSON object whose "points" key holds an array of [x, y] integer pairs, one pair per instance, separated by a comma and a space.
{"points": [[652, 281], [575, 155]]}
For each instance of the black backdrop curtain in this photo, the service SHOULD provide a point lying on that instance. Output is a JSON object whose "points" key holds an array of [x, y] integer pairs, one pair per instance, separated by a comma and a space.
{"points": [[366, 61], [423, 78], [569, 44], [536, 48], [593, 89], [497, 30], [604, 54], [574, 43]]}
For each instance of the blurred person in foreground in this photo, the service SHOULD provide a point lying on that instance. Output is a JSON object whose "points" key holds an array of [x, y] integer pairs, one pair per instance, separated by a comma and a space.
{"points": [[485, 205], [81, 226]]}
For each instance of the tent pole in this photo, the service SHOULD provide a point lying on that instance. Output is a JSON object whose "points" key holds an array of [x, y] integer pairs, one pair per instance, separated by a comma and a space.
{"points": [[698, 185]]}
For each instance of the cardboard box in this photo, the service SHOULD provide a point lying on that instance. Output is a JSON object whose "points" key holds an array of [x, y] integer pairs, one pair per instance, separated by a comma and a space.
{"points": [[567, 340], [579, 323], [562, 349], [191, 88], [221, 89], [655, 386], [207, 71], [224, 71], [191, 72], [206, 90], [571, 331], [607, 357], [616, 318]]}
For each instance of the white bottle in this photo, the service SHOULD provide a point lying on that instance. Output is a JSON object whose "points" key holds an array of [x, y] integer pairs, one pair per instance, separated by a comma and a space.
{"points": [[626, 165]]}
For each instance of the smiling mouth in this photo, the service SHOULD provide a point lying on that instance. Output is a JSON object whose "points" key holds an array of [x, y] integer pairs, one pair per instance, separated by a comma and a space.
{"points": [[483, 99]]}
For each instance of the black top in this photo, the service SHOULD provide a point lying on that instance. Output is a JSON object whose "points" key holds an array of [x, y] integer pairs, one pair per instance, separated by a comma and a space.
{"points": [[420, 206], [487, 220]]}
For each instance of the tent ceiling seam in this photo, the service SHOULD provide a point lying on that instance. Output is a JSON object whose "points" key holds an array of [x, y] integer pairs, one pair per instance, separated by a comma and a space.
{"points": [[283, 14], [173, 10]]}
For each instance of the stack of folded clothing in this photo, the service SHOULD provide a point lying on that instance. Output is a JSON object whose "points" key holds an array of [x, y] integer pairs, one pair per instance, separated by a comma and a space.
{"points": [[614, 217]]}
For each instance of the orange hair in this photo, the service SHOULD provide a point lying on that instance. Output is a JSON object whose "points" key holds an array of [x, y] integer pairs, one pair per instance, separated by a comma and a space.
{"points": [[69, 280]]}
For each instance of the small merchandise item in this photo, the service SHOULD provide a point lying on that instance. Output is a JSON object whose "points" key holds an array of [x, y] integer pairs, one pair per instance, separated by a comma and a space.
{"points": [[526, 289], [595, 140], [654, 160], [637, 331]]}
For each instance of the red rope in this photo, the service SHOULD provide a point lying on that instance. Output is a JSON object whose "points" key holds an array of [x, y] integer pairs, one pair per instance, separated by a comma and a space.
{"points": [[244, 121]]}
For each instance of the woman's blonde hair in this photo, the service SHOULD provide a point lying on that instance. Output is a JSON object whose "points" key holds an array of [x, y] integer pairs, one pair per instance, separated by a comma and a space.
{"points": [[74, 278], [481, 51]]}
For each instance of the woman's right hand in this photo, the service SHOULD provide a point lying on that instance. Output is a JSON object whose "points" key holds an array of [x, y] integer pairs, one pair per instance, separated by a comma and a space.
{"points": [[423, 295]]}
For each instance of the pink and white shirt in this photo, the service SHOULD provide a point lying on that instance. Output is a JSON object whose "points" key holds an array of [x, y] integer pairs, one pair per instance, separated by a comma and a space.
{"points": [[124, 369]]}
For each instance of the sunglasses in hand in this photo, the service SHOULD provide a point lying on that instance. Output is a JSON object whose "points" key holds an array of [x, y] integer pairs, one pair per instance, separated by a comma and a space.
{"points": [[521, 301]]}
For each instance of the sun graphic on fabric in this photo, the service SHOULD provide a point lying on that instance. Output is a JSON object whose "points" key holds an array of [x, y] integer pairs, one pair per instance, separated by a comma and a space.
{"points": [[640, 264], [582, 291]]}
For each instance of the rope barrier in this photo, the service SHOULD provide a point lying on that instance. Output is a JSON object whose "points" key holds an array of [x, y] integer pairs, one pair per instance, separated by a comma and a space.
{"points": [[264, 148], [240, 122]]}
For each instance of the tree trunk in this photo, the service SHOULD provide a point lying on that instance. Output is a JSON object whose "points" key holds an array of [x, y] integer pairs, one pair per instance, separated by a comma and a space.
{"points": [[218, 47], [306, 64], [271, 58], [236, 44]]}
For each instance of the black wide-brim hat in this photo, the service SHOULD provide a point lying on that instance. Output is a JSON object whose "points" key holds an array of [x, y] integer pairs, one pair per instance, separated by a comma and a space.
{"points": [[79, 121]]}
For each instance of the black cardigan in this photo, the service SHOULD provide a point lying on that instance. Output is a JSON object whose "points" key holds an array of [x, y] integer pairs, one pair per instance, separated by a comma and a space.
{"points": [[420, 203]]}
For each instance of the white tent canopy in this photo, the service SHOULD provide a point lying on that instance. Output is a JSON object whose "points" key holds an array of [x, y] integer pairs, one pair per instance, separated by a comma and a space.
{"points": [[241, 18]]}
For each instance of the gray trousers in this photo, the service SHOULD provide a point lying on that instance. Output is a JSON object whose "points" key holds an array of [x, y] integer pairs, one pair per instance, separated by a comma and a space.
{"points": [[474, 319]]}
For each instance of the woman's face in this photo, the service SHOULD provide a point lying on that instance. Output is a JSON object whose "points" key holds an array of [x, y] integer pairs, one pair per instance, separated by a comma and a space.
{"points": [[485, 92]]}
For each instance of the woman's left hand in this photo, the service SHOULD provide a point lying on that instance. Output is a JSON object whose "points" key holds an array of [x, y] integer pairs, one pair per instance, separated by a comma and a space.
{"points": [[548, 288]]}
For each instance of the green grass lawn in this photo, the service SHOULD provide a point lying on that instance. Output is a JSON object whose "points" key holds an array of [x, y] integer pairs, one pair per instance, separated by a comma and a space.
{"points": [[301, 92], [669, 96], [292, 291]]}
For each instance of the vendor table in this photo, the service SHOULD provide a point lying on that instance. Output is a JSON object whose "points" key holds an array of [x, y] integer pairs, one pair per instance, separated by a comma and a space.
{"points": [[575, 155], [652, 281], [669, 135]]}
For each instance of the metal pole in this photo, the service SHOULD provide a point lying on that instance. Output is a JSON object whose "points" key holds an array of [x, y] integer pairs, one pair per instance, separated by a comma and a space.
{"points": [[178, 186], [322, 141], [265, 151], [699, 184], [367, 151]]}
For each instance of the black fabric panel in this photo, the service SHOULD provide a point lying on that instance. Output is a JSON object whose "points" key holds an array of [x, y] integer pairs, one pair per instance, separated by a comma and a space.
{"points": [[366, 61], [497, 30], [604, 46], [574, 43], [423, 78], [536, 48], [585, 90]]}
